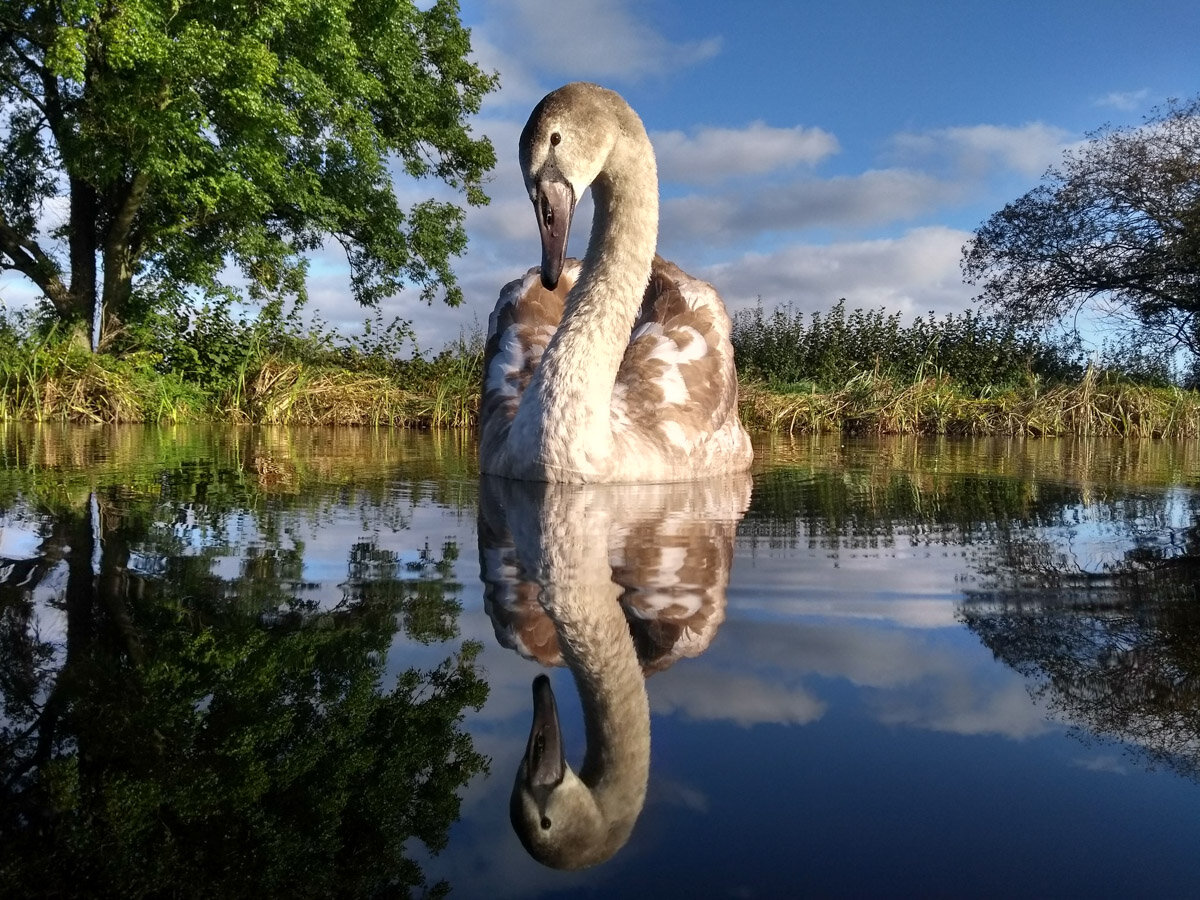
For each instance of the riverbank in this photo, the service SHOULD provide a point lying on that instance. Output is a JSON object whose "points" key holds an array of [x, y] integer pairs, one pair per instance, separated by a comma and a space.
{"points": [[65, 384]]}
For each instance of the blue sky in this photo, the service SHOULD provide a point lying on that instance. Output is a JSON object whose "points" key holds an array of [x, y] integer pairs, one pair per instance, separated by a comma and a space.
{"points": [[808, 151], [811, 151]]}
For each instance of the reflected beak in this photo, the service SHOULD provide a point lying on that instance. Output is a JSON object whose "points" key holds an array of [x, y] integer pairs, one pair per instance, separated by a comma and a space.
{"points": [[544, 760], [555, 205]]}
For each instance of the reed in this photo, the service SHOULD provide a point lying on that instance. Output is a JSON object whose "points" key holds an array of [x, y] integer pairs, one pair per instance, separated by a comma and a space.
{"points": [[787, 346], [58, 381], [283, 392]]}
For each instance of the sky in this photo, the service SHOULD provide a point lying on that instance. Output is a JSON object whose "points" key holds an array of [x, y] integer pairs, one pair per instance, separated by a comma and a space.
{"points": [[807, 151]]}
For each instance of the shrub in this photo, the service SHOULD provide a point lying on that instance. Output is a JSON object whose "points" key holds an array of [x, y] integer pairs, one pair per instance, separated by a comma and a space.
{"points": [[977, 352]]}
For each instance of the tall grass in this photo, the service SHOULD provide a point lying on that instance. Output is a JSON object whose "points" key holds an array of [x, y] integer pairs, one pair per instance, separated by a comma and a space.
{"points": [[49, 377], [269, 369], [867, 371], [837, 371]]}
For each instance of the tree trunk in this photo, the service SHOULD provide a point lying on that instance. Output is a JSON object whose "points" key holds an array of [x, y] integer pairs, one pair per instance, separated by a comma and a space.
{"points": [[118, 288], [83, 240], [120, 259]]}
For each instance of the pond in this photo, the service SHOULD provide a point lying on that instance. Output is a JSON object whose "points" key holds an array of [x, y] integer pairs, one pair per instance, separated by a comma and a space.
{"points": [[303, 663]]}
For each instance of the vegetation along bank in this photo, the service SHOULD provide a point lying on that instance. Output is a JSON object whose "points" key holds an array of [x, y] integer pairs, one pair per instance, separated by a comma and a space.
{"points": [[856, 371]]}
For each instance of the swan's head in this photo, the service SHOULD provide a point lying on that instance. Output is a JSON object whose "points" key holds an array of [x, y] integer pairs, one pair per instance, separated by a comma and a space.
{"points": [[563, 149], [553, 812]]}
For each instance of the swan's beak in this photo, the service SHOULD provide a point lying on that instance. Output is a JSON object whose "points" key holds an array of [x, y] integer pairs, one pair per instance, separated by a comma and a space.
{"points": [[554, 202], [544, 763]]}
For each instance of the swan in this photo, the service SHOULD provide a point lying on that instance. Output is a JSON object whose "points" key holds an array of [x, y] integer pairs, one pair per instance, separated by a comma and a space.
{"points": [[619, 368], [614, 581]]}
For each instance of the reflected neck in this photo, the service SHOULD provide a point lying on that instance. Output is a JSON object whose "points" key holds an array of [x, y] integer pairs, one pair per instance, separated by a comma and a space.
{"points": [[599, 650]]}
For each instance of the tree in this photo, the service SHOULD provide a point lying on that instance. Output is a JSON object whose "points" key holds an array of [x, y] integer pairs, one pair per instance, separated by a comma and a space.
{"points": [[1117, 225], [182, 137]]}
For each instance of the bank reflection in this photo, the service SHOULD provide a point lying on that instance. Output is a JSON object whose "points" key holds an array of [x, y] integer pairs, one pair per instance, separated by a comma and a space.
{"points": [[615, 582]]}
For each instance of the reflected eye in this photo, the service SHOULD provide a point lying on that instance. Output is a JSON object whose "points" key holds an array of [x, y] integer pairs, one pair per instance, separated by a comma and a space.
{"points": [[555, 138], [545, 824]]}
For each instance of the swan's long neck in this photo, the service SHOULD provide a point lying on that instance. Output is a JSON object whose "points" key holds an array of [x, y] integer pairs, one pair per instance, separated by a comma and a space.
{"points": [[578, 371]]}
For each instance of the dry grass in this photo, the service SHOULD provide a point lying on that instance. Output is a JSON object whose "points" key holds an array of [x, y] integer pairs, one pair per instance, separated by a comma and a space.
{"points": [[287, 393], [63, 383], [874, 404]]}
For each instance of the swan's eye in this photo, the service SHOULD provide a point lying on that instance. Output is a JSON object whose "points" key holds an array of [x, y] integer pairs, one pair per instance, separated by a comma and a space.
{"points": [[555, 138], [545, 824]]}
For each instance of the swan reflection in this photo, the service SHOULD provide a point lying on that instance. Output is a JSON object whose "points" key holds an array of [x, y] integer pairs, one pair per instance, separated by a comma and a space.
{"points": [[615, 582]]}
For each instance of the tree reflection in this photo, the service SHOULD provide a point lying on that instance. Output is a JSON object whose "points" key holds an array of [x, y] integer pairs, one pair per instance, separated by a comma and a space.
{"points": [[168, 731], [1111, 641], [1088, 590]]}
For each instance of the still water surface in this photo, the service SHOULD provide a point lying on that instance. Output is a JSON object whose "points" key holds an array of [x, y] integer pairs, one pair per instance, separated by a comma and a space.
{"points": [[299, 662]]}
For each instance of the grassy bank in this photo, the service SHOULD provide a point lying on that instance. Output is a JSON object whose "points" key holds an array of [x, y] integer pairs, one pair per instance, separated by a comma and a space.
{"points": [[59, 383], [857, 372], [65, 384], [269, 370]]}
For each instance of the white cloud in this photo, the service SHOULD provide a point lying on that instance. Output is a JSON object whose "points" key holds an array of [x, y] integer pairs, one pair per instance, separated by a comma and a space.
{"points": [[977, 149], [874, 198], [916, 272], [712, 154], [865, 655], [17, 291], [675, 793], [967, 707], [1126, 101], [583, 39], [518, 84], [760, 673], [1103, 763]]}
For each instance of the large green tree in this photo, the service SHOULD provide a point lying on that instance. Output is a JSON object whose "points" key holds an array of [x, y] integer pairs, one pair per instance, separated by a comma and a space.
{"points": [[147, 144], [1115, 226]]}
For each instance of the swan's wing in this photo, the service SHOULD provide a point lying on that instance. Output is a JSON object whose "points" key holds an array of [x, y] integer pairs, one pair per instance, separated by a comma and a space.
{"points": [[677, 384], [519, 328]]}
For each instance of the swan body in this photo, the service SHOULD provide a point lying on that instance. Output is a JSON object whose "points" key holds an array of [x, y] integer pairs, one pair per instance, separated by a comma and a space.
{"points": [[619, 368], [613, 581]]}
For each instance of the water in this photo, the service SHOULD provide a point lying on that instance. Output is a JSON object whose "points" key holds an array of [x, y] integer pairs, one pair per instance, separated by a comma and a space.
{"points": [[293, 662]]}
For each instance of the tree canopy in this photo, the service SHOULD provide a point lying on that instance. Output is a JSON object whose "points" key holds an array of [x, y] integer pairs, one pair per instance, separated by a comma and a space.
{"points": [[164, 140], [1116, 225]]}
